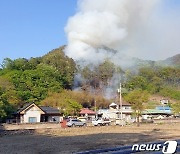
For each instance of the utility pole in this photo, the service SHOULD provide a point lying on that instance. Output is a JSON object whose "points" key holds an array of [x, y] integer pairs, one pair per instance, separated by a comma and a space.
{"points": [[120, 100], [120, 104], [95, 105]]}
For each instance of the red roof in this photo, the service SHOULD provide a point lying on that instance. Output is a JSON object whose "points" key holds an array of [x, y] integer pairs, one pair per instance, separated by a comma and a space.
{"points": [[87, 111]]}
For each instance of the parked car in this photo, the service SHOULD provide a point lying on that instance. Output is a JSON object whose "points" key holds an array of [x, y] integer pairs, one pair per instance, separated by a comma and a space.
{"points": [[83, 119], [75, 122], [101, 122]]}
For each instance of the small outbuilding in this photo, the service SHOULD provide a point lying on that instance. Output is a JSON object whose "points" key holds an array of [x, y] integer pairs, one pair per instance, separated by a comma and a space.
{"points": [[32, 113], [89, 114]]}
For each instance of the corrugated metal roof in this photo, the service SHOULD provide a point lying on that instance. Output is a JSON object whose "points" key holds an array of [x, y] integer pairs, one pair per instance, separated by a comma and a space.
{"points": [[155, 111]]}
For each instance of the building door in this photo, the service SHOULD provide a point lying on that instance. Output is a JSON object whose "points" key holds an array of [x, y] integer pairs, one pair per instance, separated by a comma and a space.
{"points": [[32, 119]]}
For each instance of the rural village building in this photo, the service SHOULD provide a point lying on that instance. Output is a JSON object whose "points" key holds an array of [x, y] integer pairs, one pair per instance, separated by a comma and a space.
{"points": [[89, 114], [114, 112], [160, 112], [32, 113]]}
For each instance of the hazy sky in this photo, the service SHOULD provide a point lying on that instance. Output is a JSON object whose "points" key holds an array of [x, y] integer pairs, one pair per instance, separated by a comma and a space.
{"points": [[33, 27]]}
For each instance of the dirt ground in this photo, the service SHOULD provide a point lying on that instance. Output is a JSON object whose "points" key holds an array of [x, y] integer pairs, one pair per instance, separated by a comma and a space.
{"points": [[72, 140]]}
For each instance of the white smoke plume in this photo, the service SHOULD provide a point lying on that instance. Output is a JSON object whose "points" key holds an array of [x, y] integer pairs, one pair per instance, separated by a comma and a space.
{"points": [[119, 30], [114, 24]]}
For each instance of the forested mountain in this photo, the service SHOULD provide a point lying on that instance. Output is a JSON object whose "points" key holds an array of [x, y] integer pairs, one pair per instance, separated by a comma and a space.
{"points": [[172, 61], [49, 80], [30, 80]]}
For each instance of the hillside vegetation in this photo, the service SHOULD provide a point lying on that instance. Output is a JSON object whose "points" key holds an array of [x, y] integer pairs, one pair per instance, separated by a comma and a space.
{"points": [[49, 80]]}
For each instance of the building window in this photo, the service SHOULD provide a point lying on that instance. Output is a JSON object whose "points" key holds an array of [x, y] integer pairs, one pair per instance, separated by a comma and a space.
{"points": [[32, 119]]}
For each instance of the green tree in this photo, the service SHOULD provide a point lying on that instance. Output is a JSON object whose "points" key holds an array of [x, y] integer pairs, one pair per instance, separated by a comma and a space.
{"points": [[8, 64], [147, 72], [137, 82], [73, 107], [105, 71], [171, 92], [65, 65], [2, 111], [137, 98], [6, 108], [21, 64], [98, 77], [33, 85], [34, 62], [9, 91]]}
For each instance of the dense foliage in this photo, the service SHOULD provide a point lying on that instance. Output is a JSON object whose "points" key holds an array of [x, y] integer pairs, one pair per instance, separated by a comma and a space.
{"points": [[29, 80], [8, 98], [86, 100], [96, 79], [137, 98], [158, 80], [49, 80]]}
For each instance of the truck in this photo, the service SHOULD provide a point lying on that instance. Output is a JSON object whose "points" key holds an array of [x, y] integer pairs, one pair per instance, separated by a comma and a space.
{"points": [[101, 122]]}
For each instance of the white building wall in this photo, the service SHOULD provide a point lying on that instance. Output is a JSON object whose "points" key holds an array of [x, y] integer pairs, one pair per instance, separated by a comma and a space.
{"points": [[21, 118], [32, 112], [113, 113]]}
